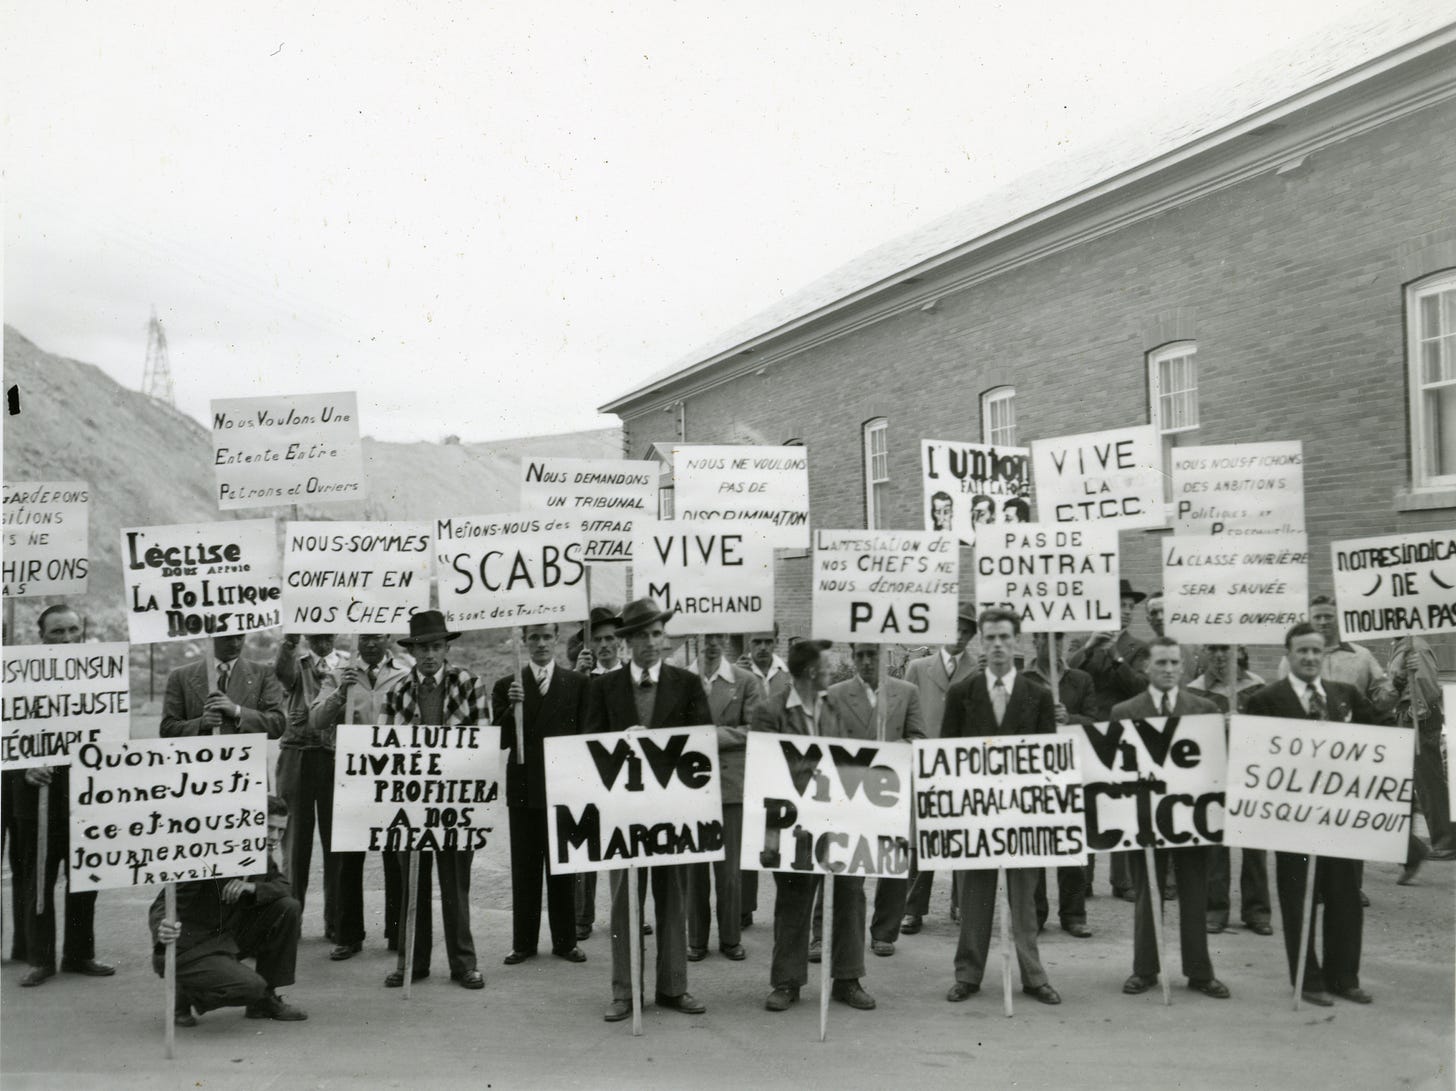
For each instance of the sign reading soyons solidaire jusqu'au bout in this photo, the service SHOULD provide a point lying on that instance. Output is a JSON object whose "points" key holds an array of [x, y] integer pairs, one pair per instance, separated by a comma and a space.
{"points": [[717, 576], [287, 449], [59, 696]]}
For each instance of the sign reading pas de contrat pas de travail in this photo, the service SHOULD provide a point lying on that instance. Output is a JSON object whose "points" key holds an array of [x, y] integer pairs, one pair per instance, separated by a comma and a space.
{"points": [[1057, 578], [46, 537], [971, 485], [1396, 584], [1114, 478], [717, 576], [767, 487], [521, 568], [885, 586], [288, 449], [58, 696], [607, 495], [355, 577]]}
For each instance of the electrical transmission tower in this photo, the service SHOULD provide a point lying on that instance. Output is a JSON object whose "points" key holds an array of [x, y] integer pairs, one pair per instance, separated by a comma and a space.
{"points": [[157, 372]]}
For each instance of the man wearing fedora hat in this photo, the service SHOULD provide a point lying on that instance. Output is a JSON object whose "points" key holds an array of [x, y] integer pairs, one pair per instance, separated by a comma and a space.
{"points": [[600, 652], [649, 693], [434, 692]]}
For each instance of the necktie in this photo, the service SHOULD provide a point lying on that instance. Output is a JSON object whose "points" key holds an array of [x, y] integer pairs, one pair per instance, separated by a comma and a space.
{"points": [[1316, 705], [1167, 707], [542, 681], [646, 680], [998, 701], [223, 670], [373, 675]]}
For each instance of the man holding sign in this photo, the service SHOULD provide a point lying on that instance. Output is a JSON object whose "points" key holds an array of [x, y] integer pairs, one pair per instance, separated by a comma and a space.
{"points": [[240, 698]]}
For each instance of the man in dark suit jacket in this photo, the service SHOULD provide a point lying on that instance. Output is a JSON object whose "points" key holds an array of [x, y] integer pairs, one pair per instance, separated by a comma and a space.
{"points": [[240, 698], [1164, 697], [998, 701], [553, 702], [649, 693], [1304, 694]]}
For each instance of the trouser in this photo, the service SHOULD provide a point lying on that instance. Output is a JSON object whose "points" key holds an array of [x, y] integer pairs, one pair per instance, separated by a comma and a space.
{"points": [[1430, 783], [393, 902], [306, 783], [8, 806], [348, 898], [891, 897], [670, 934], [268, 934], [748, 891], [978, 908], [1190, 867], [1335, 881], [1118, 872], [586, 899], [793, 920], [529, 852], [1071, 896], [1254, 902], [726, 874], [40, 928], [454, 869]]}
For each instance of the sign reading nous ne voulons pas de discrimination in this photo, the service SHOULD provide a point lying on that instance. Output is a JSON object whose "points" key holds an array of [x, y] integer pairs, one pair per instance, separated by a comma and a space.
{"points": [[287, 449], [765, 487], [46, 538]]}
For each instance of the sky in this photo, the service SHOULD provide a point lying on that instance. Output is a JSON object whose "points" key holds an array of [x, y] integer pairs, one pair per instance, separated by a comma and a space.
{"points": [[489, 219]]}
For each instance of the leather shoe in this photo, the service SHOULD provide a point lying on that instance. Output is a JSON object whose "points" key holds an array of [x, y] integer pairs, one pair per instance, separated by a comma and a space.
{"points": [[816, 952], [1128, 895], [1442, 854], [1214, 928], [1045, 994], [38, 975], [618, 1010], [849, 991], [1354, 994], [471, 979], [1408, 874], [1364, 900], [272, 1006], [572, 954], [1210, 987], [697, 954], [962, 990], [515, 958], [910, 925], [647, 929], [735, 953], [882, 948], [1319, 999], [1078, 929], [345, 951], [780, 999], [90, 967], [395, 980], [184, 1018], [583, 931], [1261, 928], [686, 1003], [1136, 984], [745, 921]]}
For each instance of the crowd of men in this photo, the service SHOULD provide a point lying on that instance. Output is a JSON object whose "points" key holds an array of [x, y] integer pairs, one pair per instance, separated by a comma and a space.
{"points": [[620, 678]]}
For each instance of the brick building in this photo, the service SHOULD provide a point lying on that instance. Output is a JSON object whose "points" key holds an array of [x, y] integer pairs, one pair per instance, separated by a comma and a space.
{"points": [[1282, 267]]}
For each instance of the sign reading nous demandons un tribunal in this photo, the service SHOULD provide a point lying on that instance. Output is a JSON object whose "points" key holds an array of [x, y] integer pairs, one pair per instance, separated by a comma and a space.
{"points": [[719, 577], [822, 805], [766, 487], [1114, 478], [1235, 589], [1241, 488], [58, 696], [168, 810], [47, 548], [624, 798], [885, 586], [972, 485], [521, 568], [607, 495], [201, 579], [287, 449], [1396, 584], [1058, 578], [1004, 801], [355, 577], [1332, 789]]}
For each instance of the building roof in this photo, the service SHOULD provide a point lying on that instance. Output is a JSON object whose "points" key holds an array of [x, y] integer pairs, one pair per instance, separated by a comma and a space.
{"points": [[1321, 66]]}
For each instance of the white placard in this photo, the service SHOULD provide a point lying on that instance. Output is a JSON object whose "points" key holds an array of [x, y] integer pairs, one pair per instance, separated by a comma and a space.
{"points": [[1240, 488], [521, 568], [971, 485], [287, 449], [1448, 701], [1114, 478], [885, 586], [355, 577], [57, 697], [607, 495], [719, 577], [1396, 584], [1234, 589], [46, 527], [1058, 578], [766, 487]]}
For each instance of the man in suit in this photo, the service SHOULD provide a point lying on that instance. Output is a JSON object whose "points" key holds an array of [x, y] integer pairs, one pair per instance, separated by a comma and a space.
{"points": [[1165, 697], [1305, 694], [998, 701], [1413, 672], [649, 693], [932, 676], [36, 931], [353, 694], [600, 652], [732, 698], [241, 697], [805, 709], [553, 702], [772, 675], [437, 693], [1074, 690]]}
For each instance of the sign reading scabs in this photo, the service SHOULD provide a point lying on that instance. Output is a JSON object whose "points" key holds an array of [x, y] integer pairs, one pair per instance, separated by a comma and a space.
{"points": [[765, 487], [1396, 584], [46, 537], [1056, 578], [287, 449], [59, 696], [1114, 478], [885, 586], [1234, 589], [522, 568], [607, 495], [1241, 488], [355, 577], [717, 576]]}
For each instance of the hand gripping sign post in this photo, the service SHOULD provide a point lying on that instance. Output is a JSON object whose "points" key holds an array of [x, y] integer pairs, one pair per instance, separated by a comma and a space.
{"points": [[1396, 585], [818, 805], [971, 485], [287, 449], [765, 487], [46, 538], [1320, 789], [717, 577], [1114, 478], [620, 800], [150, 811], [355, 577], [1155, 783], [998, 802]]}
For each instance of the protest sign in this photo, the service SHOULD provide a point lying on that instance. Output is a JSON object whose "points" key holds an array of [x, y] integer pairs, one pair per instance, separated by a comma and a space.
{"points": [[970, 485], [1234, 589], [355, 577], [626, 798], [168, 810], [59, 696], [885, 586], [823, 805], [415, 788], [1329, 789], [1113, 477], [47, 545], [1056, 578], [287, 449], [522, 568], [719, 577], [1448, 698], [1241, 488], [1002, 801], [201, 579], [1155, 783], [763, 487], [606, 495], [1397, 584]]}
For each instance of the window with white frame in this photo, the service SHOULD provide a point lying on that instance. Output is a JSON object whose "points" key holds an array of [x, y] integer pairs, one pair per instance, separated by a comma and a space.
{"points": [[1431, 322], [877, 471], [998, 417], [1173, 398]]}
